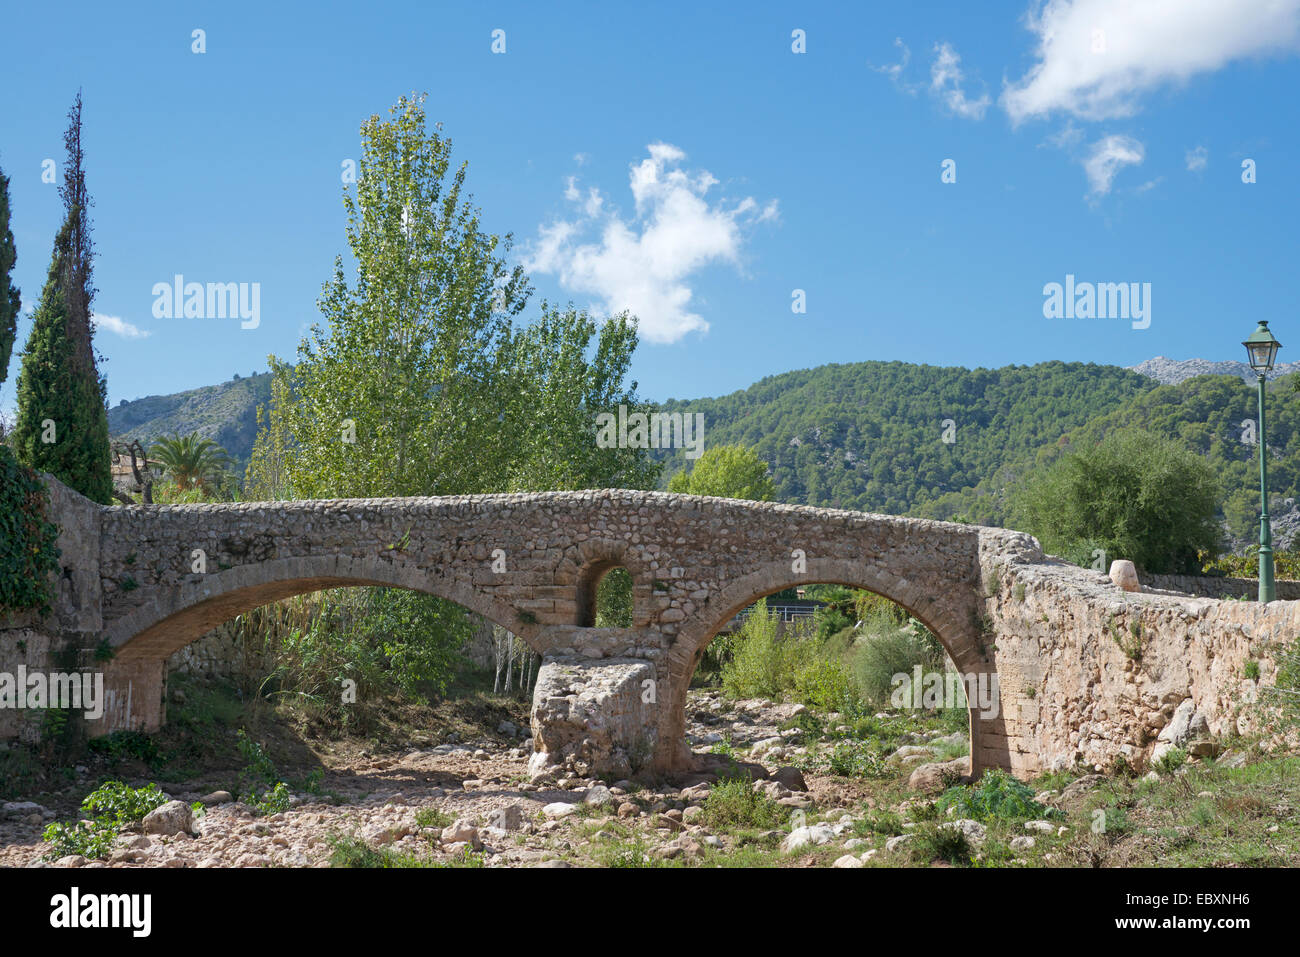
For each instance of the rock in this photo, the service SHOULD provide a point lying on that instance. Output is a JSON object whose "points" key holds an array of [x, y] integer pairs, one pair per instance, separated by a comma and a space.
{"points": [[1022, 843], [894, 843], [1178, 729], [173, 817], [216, 797], [692, 814], [71, 860], [772, 789], [462, 832], [767, 744], [696, 792], [20, 809], [1042, 827], [809, 834], [912, 751], [853, 843], [798, 801], [848, 860], [791, 778], [381, 833], [598, 796], [1123, 574], [508, 728], [930, 778], [559, 809], [975, 832], [679, 846], [508, 817], [628, 809], [1081, 786], [1231, 759]]}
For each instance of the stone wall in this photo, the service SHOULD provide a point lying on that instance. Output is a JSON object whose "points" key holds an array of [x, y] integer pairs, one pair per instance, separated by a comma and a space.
{"points": [[1210, 586], [66, 639], [1090, 672]]}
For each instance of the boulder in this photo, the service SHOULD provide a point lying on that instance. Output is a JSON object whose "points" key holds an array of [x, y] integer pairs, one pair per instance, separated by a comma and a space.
{"points": [[810, 834], [931, 777], [790, 777], [174, 817], [1123, 574], [462, 832]]}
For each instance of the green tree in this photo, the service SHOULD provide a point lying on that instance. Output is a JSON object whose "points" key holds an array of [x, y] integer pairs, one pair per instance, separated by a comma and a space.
{"points": [[1134, 494], [191, 461], [728, 471], [398, 393], [556, 385], [62, 425], [10, 300]]}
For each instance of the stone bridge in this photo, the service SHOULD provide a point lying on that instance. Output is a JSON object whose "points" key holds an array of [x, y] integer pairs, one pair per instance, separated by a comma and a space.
{"points": [[1084, 671]]}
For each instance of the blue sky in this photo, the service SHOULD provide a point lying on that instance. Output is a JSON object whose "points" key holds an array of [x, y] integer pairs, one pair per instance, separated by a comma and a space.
{"points": [[689, 165]]}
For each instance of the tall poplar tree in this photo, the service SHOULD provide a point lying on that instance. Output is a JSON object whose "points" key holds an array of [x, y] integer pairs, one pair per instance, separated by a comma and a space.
{"points": [[62, 425]]}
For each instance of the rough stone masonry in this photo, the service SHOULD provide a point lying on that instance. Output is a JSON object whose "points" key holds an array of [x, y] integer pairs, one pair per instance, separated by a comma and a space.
{"points": [[1085, 670]]}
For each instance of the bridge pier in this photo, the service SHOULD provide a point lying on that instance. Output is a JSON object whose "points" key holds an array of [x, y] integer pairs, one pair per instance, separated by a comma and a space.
{"points": [[133, 696], [598, 703]]}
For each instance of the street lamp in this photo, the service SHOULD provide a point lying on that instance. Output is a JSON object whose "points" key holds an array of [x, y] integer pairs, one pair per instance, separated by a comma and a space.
{"points": [[1261, 348]]}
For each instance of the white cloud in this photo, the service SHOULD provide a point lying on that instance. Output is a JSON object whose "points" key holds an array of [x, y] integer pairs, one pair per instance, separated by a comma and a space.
{"points": [[1197, 159], [1097, 57], [644, 264], [119, 326], [946, 83], [1106, 157], [895, 70]]}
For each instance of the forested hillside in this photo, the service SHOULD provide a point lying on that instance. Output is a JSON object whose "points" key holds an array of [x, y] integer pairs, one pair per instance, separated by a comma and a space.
{"points": [[894, 437]]}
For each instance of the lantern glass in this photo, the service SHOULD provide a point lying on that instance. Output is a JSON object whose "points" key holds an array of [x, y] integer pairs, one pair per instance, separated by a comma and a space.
{"points": [[1261, 349]]}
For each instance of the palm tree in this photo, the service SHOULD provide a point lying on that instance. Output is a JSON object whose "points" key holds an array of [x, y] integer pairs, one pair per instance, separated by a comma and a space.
{"points": [[191, 462]]}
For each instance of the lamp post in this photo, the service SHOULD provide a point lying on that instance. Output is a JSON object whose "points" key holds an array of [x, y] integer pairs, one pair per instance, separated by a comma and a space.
{"points": [[1261, 348]]}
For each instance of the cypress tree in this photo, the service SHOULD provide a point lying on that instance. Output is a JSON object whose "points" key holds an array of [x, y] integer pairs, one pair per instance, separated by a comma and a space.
{"points": [[10, 302], [62, 423]]}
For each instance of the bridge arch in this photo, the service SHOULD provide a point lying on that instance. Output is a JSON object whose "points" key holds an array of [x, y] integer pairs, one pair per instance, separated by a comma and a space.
{"points": [[175, 617], [959, 636]]}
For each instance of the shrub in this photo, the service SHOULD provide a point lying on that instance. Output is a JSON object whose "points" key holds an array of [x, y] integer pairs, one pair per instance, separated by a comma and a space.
{"points": [[998, 795], [1171, 761], [886, 652], [857, 759], [936, 842], [28, 555], [735, 804], [825, 683], [120, 804], [110, 807], [763, 660]]}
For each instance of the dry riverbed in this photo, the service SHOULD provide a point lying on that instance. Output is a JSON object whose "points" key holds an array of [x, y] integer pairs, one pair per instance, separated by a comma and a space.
{"points": [[775, 786]]}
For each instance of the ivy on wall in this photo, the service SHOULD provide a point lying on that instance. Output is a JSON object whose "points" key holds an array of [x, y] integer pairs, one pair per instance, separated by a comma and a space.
{"points": [[28, 554]]}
